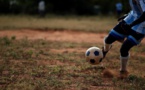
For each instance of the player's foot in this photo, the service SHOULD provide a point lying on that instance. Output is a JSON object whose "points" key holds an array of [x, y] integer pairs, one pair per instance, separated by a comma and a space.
{"points": [[105, 52], [123, 74]]}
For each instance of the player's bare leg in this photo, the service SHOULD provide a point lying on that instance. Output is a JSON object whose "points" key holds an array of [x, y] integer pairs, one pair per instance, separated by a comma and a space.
{"points": [[106, 48]]}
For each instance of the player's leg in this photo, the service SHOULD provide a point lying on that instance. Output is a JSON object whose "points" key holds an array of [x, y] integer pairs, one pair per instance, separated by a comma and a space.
{"points": [[124, 51], [115, 34], [107, 44], [132, 40]]}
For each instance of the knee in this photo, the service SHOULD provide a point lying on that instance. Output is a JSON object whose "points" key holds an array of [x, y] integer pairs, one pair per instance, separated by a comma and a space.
{"points": [[109, 39], [126, 46], [124, 52]]}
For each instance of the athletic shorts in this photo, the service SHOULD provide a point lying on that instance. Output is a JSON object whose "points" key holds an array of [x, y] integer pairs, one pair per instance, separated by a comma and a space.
{"points": [[120, 34]]}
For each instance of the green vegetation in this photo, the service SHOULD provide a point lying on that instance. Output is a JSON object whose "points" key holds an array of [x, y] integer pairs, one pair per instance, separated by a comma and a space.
{"points": [[51, 65], [31, 65], [84, 23]]}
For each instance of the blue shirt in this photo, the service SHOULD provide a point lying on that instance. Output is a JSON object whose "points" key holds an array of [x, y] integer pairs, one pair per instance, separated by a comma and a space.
{"points": [[138, 7]]}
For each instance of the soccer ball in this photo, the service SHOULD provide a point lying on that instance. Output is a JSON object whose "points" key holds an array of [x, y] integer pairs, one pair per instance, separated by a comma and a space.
{"points": [[93, 55]]}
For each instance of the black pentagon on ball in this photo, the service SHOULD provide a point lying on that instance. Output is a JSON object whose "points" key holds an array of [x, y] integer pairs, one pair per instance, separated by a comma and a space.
{"points": [[88, 53], [96, 53], [92, 61]]}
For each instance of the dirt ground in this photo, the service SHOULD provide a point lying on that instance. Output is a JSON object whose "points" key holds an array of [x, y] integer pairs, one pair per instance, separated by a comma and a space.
{"points": [[65, 35], [52, 35]]}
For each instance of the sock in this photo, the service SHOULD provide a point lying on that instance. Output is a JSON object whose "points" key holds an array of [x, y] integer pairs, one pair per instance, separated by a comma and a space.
{"points": [[106, 46], [124, 62]]}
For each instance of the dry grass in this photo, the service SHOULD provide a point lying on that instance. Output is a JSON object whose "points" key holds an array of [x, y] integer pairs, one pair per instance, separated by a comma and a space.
{"points": [[34, 64], [31, 65], [85, 23]]}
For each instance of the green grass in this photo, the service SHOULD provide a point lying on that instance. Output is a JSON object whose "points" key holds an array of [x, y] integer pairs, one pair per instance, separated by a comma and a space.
{"points": [[51, 65], [31, 65], [83, 23]]}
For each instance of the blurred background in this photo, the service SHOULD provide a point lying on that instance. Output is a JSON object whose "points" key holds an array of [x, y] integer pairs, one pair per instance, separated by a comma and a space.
{"points": [[62, 7]]}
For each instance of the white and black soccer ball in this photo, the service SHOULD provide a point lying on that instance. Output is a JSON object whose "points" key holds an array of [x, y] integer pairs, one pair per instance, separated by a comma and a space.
{"points": [[93, 55]]}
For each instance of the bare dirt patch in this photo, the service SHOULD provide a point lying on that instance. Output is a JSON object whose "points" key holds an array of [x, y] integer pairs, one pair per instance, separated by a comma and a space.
{"points": [[52, 35], [71, 36], [76, 72]]}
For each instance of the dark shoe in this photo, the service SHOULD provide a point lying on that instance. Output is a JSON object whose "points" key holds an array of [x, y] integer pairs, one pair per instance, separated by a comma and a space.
{"points": [[105, 52], [123, 74]]}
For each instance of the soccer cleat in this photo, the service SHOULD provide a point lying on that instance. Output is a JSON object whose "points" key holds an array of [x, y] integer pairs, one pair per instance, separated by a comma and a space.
{"points": [[123, 74], [105, 52]]}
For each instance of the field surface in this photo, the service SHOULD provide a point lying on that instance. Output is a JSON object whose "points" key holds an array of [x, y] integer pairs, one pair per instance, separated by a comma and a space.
{"points": [[43, 57]]}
